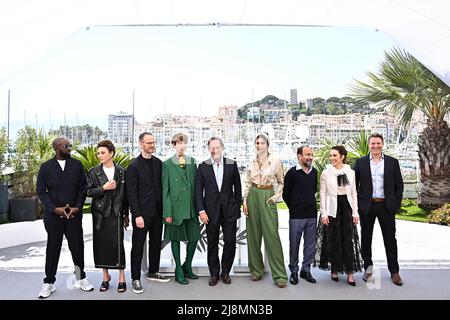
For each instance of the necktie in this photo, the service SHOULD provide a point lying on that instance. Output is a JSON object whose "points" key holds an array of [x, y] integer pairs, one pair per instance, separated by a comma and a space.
{"points": [[182, 161], [218, 176]]}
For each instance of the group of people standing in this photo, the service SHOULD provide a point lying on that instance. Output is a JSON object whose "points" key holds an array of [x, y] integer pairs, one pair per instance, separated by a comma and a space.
{"points": [[177, 194], [374, 189]]}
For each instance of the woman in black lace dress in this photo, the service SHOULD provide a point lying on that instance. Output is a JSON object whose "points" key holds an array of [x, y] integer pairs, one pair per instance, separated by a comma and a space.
{"points": [[338, 247]]}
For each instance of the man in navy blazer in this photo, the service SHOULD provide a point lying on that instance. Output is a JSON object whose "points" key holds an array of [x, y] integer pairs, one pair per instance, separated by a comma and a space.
{"points": [[380, 190], [61, 184], [218, 198]]}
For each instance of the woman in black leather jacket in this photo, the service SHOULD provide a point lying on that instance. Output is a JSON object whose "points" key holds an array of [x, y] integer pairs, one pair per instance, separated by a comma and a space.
{"points": [[106, 186]]}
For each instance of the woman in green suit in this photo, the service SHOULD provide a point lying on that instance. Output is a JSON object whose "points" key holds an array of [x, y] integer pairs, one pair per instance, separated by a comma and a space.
{"points": [[179, 215]]}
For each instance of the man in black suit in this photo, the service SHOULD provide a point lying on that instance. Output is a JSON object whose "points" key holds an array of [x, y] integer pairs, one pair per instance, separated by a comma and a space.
{"points": [[61, 186], [143, 184], [380, 190], [218, 198]]}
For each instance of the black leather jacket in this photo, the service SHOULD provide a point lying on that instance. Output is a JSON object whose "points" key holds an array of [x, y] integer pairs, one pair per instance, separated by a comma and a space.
{"points": [[109, 202]]}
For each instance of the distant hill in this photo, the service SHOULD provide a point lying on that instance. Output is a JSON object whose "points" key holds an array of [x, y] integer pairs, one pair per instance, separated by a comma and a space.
{"points": [[268, 102], [330, 106]]}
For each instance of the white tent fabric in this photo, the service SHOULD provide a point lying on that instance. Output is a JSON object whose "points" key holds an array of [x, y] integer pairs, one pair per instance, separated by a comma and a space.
{"points": [[28, 28]]}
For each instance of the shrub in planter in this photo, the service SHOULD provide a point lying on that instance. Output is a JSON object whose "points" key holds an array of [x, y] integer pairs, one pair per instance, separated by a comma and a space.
{"points": [[4, 204], [32, 148], [25, 209]]}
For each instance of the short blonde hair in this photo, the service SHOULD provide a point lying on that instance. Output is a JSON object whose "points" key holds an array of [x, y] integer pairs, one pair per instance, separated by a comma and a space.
{"points": [[179, 137]]}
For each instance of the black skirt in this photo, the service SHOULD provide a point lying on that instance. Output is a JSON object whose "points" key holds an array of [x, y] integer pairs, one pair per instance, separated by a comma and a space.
{"points": [[337, 245], [108, 243]]}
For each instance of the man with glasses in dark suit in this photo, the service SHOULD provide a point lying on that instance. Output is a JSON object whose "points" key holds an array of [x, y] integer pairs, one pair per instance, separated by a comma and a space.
{"points": [[144, 192]]}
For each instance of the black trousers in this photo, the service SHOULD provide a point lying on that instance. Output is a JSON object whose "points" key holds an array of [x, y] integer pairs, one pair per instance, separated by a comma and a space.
{"points": [[73, 231], [387, 224], [152, 227], [229, 248]]}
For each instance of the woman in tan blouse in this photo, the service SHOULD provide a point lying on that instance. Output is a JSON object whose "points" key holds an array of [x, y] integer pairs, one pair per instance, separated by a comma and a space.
{"points": [[264, 185]]}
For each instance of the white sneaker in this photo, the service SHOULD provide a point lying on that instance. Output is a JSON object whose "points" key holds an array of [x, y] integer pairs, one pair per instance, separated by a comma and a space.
{"points": [[46, 290], [367, 276], [84, 285]]}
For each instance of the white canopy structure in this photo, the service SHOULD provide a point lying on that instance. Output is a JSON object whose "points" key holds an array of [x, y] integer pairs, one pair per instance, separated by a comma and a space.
{"points": [[28, 28]]}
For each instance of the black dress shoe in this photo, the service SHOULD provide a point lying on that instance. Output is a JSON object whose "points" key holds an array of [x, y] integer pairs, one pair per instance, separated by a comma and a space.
{"points": [[213, 280], [307, 276], [293, 278], [226, 279], [351, 283], [396, 279]]}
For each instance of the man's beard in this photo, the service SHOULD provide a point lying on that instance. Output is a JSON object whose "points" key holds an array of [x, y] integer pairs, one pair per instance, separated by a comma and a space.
{"points": [[64, 155], [307, 164]]}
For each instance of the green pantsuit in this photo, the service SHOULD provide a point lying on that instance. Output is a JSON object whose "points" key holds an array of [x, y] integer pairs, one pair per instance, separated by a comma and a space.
{"points": [[178, 203], [262, 221]]}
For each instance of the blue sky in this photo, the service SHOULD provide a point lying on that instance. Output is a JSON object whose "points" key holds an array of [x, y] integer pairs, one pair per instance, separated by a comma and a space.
{"points": [[185, 70]]}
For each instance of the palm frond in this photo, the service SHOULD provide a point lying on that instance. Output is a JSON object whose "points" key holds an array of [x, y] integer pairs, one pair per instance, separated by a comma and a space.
{"points": [[404, 85], [358, 147]]}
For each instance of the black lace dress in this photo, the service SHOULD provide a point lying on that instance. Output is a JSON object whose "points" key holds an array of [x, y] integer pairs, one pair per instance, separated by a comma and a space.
{"points": [[337, 245]]}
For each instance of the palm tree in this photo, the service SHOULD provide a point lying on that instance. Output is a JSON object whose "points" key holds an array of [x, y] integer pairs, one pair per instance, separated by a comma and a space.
{"points": [[358, 147], [406, 86]]}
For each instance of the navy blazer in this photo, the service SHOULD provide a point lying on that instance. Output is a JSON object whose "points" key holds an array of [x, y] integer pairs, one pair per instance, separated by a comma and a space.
{"points": [[209, 198], [393, 184], [138, 187], [56, 188]]}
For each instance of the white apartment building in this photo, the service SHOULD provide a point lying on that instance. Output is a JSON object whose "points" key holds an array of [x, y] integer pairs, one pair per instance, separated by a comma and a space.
{"points": [[120, 128]]}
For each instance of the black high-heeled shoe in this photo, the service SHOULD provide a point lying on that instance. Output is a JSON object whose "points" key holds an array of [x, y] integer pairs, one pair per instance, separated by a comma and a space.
{"points": [[122, 287], [335, 278], [105, 285], [351, 283]]}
